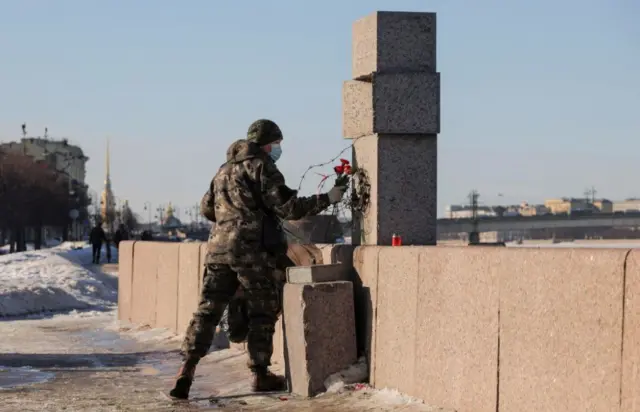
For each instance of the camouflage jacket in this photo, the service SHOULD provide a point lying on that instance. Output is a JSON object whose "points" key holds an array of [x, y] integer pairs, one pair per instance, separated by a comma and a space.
{"points": [[247, 200]]}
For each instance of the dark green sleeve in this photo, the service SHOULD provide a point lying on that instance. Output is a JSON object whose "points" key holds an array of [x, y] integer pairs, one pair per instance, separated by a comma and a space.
{"points": [[282, 200]]}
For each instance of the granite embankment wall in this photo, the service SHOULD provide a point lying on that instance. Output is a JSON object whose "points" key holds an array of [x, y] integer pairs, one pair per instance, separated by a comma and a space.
{"points": [[473, 329]]}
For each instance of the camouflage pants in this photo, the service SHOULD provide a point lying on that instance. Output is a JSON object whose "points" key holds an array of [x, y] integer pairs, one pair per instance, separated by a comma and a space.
{"points": [[236, 319], [262, 305]]}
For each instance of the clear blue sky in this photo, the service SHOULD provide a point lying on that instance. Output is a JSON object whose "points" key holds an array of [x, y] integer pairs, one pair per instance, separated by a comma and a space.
{"points": [[539, 98]]}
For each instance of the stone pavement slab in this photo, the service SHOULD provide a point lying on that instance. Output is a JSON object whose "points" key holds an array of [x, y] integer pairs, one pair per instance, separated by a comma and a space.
{"points": [[91, 363]]}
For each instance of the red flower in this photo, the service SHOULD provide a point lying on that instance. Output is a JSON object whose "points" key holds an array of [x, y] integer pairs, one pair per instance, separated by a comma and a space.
{"points": [[339, 170], [347, 169], [344, 162]]}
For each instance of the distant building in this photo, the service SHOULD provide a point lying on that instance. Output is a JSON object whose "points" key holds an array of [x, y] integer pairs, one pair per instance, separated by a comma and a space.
{"points": [[526, 209], [64, 157], [170, 221], [567, 205], [628, 205], [572, 205], [466, 212], [604, 205], [60, 154]]}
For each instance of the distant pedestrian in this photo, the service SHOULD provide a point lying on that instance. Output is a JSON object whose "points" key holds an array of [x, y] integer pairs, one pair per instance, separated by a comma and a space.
{"points": [[96, 238], [121, 234], [107, 245]]}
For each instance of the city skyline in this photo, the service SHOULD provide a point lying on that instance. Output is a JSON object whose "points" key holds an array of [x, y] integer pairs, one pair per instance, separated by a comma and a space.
{"points": [[536, 103]]}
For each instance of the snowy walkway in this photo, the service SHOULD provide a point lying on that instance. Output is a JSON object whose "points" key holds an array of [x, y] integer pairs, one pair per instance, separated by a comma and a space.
{"points": [[84, 362]]}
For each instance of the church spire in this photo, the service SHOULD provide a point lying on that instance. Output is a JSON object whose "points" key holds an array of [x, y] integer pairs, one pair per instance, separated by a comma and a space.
{"points": [[108, 163], [107, 206]]}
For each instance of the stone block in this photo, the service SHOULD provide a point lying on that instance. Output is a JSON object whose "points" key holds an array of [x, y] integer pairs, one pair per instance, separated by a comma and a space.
{"points": [[125, 279], [402, 103], [167, 286], [631, 336], [320, 333], [365, 296], [388, 41], [560, 329], [278, 343], [145, 283], [203, 256], [456, 363], [318, 273], [190, 277], [403, 177], [336, 254], [396, 319]]}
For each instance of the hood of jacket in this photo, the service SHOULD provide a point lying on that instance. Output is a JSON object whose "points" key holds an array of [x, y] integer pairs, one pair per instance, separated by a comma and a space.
{"points": [[242, 150]]}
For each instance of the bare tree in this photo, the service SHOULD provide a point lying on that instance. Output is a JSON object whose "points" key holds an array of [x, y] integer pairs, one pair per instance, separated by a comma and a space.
{"points": [[32, 194]]}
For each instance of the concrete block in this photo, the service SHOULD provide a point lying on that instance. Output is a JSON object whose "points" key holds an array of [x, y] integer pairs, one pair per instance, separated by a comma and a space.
{"points": [[365, 262], [394, 42], [403, 176], [560, 329], [278, 344], [318, 273], [337, 254], [456, 346], [631, 336], [190, 275], [203, 257], [399, 103], [167, 288], [320, 333], [125, 279], [396, 318], [145, 283]]}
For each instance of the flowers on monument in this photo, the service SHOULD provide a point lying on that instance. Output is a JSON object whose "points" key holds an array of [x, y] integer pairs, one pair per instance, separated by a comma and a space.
{"points": [[344, 168]]}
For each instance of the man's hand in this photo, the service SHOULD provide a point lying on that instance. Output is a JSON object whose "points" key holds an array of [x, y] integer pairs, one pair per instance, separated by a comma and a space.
{"points": [[336, 194]]}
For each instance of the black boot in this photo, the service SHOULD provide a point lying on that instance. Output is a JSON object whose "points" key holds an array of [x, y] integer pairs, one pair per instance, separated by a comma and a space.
{"points": [[184, 380], [266, 381]]}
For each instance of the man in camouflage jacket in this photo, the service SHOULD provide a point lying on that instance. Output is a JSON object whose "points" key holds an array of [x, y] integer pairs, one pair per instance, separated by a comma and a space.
{"points": [[247, 200]]}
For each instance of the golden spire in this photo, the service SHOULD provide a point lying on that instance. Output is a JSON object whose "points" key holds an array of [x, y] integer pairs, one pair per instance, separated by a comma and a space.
{"points": [[107, 200]]}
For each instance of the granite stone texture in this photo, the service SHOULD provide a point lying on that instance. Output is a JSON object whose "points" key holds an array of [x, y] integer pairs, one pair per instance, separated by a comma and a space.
{"points": [[365, 285], [167, 286], [392, 42], [457, 324], [396, 327], [560, 328], [278, 343], [319, 333], [402, 172], [398, 103], [125, 279], [144, 288], [631, 336], [190, 275], [318, 273]]}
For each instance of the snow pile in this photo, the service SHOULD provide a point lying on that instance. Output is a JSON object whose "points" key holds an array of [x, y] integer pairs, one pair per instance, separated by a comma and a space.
{"points": [[52, 280], [397, 399], [356, 373]]}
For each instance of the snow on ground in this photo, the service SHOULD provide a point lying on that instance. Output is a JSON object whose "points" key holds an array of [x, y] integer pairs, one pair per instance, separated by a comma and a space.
{"points": [[53, 280]]}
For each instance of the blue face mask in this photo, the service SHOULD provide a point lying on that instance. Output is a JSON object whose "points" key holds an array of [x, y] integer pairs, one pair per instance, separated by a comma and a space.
{"points": [[276, 152]]}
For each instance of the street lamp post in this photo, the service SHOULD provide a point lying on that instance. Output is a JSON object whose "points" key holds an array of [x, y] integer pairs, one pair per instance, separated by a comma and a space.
{"points": [[147, 208]]}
